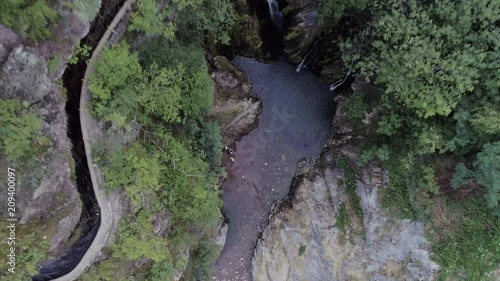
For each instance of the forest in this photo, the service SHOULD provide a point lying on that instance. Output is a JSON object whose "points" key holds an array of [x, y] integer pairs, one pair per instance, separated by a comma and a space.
{"points": [[435, 70]]}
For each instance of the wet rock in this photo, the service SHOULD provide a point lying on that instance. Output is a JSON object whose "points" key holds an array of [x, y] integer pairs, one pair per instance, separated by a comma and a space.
{"points": [[245, 37], [310, 44], [305, 241], [234, 109], [303, 30], [220, 240]]}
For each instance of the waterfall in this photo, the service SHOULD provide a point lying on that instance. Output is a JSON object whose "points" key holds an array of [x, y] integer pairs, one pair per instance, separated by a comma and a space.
{"points": [[271, 2], [339, 82], [275, 14], [301, 64]]}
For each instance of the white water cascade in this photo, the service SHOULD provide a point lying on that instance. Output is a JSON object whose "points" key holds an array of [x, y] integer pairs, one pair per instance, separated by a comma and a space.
{"points": [[301, 64], [339, 82], [275, 14]]}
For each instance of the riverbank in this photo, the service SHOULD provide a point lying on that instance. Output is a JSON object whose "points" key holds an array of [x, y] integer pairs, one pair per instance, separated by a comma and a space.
{"points": [[294, 124]]}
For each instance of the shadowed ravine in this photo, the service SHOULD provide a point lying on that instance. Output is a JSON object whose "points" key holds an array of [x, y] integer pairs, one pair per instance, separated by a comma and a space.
{"points": [[295, 123]]}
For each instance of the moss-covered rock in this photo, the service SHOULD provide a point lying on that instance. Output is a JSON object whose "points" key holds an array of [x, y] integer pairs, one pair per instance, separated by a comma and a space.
{"points": [[233, 108], [245, 38], [310, 43]]}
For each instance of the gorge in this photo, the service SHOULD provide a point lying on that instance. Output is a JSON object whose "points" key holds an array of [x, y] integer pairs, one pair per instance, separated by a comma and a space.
{"points": [[255, 140]]}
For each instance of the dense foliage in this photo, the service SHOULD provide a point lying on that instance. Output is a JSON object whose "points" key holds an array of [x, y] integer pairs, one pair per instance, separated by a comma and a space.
{"points": [[29, 18], [191, 19], [162, 90], [18, 133], [435, 68]]}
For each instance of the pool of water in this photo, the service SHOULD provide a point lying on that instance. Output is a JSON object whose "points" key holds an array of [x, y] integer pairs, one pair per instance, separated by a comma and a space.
{"points": [[296, 122]]}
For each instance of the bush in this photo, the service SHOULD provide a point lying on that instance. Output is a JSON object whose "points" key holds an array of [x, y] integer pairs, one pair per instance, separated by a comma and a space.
{"points": [[356, 106], [18, 133], [488, 173], [474, 249], [462, 176], [30, 18]]}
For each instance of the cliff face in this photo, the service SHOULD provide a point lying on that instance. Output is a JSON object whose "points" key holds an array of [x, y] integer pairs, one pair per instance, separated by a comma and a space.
{"points": [[47, 198], [234, 109], [311, 44], [246, 38], [312, 239]]}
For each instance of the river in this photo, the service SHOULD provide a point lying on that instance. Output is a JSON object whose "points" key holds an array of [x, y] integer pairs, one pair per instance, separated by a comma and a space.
{"points": [[296, 122]]}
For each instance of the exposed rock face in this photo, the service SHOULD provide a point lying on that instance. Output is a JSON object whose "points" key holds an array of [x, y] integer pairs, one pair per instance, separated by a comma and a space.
{"points": [[24, 76], [303, 29], [234, 108], [310, 43], [304, 240], [246, 38], [46, 197], [47, 193]]}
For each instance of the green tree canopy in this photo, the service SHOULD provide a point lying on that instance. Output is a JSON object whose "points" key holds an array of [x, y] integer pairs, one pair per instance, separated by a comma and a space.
{"points": [[30, 18], [428, 56]]}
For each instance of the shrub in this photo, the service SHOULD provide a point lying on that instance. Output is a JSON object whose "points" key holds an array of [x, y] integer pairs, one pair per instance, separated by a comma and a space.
{"points": [[18, 133], [356, 106], [30, 18], [488, 172]]}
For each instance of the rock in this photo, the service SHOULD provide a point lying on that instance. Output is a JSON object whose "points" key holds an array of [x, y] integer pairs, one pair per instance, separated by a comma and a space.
{"points": [[304, 240], [47, 198], [234, 109], [245, 37], [303, 29], [161, 224], [312, 44], [9, 39], [181, 264], [24, 76], [220, 240]]}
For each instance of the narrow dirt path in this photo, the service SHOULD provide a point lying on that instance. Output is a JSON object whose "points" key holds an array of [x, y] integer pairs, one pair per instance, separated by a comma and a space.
{"points": [[88, 127]]}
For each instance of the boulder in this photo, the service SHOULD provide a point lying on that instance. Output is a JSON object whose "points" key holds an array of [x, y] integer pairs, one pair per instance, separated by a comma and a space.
{"points": [[234, 108], [24, 76]]}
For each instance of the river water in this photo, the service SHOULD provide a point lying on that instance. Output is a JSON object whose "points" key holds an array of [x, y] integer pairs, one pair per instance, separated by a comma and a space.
{"points": [[296, 122]]}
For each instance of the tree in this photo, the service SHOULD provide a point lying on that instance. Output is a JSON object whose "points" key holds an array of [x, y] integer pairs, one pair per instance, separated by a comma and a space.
{"points": [[30, 18], [428, 57], [197, 17], [334, 10], [172, 88], [487, 168], [113, 84], [150, 20], [160, 93], [136, 239], [137, 171]]}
